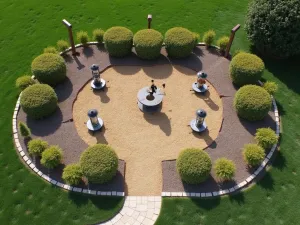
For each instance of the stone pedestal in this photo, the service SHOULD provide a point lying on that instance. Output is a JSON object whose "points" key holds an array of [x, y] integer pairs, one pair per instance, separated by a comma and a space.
{"points": [[202, 128], [202, 90], [100, 86], [95, 128]]}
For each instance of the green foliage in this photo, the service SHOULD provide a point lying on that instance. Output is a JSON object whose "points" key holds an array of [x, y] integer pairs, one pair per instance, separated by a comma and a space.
{"points": [[99, 163], [193, 165], [179, 42], [24, 82], [196, 38], [252, 102], [50, 49], [148, 43], [253, 154], [209, 37], [37, 146], [49, 68], [224, 169], [38, 101], [72, 174], [51, 157], [62, 45], [246, 68], [82, 37], [98, 35], [118, 41], [238, 51], [222, 43], [274, 26], [266, 137], [271, 87], [24, 130]]}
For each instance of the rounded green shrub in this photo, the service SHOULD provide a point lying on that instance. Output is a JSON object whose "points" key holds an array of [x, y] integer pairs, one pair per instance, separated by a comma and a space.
{"points": [[118, 41], [24, 130], [148, 43], [222, 43], [179, 42], [209, 37], [72, 174], [49, 68], [224, 169], [99, 163], [253, 154], [196, 38], [271, 87], [24, 82], [266, 137], [50, 49], [252, 102], [82, 37], [246, 68], [98, 35], [37, 146], [193, 165], [51, 157], [38, 101], [62, 45]]}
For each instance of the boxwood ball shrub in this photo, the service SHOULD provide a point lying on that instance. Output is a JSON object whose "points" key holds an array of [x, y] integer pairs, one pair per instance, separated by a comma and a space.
{"points": [[38, 101], [252, 102], [271, 87], [224, 169], [24, 82], [49, 68], [62, 45], [253, 154], [179, 42], [50, 49], [24, 130], [37, 146], [222, 43], [148, 43], [118, 41], [51, 157], [246, 68], [209, 37], [266, 137], [99, 163], [82, 37], [98, 35], [193, 165], [72, 174]]}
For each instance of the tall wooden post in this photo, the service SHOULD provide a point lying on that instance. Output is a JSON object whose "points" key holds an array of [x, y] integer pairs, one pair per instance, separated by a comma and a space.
{"points": [[69, 27], [235, 29], [149, 20]]}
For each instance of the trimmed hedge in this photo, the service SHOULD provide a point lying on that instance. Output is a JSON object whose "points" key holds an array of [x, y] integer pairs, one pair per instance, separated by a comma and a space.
{"points": [[99, 163], [118, 41], [50, 49], [37, 146], [193, 165], [252, 102], [24, 130], [72, 174], [148, 43], [49, 68], [222, 43], [266, 137], [271, 87], [38, 101], [179, 42], [82, 37], [98, 35], [224, 169], [209, 37], [51, 157], [62, 45], [253, 154], [246, 68], [24, 82]]}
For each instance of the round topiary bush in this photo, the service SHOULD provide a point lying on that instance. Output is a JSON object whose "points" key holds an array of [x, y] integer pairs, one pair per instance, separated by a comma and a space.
{"points": [[98, 35], [270, 87], [148, 43], [224, 169], [62, 45], [179, 42], [266, 137], [193, 165], [99, 163], [24, 82], [246, 68], [118, 41], [72, 174], [253, 154], [49, 68], [209, 37], [51, 157], [252, 102], [274, 26], [37, 146], [222, 43], [50, 49], [38, 101], [82, 37]]}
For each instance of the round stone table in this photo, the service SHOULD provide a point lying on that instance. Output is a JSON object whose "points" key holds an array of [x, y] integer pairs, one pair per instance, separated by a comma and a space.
{"points": [[147, 105], [92, 128], [102, 84], [199, 90], [198, 129]]}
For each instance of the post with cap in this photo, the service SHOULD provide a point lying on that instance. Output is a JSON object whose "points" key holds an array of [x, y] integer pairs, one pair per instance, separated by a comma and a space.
{"points": [[69, 26], [149, 20], [235, 29]]}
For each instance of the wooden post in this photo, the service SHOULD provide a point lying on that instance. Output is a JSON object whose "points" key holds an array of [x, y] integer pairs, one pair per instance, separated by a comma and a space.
{"points": [[149, 21], [235, 29], [69, 26]]}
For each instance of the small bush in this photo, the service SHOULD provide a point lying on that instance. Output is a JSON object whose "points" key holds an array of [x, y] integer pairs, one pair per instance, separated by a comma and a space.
{"points": [[266, 137], [38, 101], [148, 43], [49, 68], [253, 154], [24, 82], [50, 49], [51, 157], [193, 165], [24, 130], [196, 38], [62, 45], [118, 41], [179, 42], [82, 37], [252, 102], [246, 68], [72, 174], [209, 37], [37, 146], [270, 87], [99, 163], [222, 43], [224, 169], [98, 35]]}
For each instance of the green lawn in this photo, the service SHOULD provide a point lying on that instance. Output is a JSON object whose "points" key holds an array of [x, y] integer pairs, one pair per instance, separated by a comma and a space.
{"points": [[29, 26]]}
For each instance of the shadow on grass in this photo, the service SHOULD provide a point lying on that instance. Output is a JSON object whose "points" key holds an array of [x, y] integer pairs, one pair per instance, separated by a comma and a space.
{"points": [[238, 198], [279, 161], [267, 182], [207, 204]]}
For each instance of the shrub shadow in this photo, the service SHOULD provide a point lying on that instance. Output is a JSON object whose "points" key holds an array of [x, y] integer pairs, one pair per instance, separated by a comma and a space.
{"points": [[267, 181], [163, 73], [192, 62], [64, 90], [279, 161], [88, 51], [207, 203], [127, 70], [237, 197], [198, 51]]}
